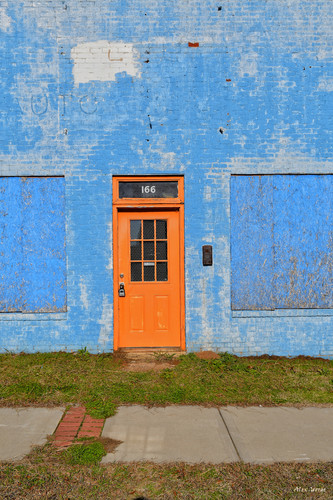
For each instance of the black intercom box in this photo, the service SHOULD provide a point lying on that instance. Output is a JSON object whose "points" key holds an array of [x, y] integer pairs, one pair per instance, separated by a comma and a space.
{"points": [[207, 255]]}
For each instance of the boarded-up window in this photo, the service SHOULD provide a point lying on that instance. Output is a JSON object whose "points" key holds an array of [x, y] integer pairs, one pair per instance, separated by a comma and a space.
{"points": [[281, 241], [32, 244]]}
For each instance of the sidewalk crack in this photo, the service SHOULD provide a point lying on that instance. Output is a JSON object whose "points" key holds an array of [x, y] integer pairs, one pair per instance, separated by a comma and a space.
{"points": [[231, 438]]}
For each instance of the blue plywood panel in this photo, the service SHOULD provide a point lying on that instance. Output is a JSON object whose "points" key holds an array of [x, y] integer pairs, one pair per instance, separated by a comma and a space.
{"points": [[32, 245], [10, 245], [281, 242], [252, 241], [303, 222], [43, 241]]}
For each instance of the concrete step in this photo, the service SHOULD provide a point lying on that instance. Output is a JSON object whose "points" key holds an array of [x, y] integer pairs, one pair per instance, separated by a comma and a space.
{"points": [[149, 355]]}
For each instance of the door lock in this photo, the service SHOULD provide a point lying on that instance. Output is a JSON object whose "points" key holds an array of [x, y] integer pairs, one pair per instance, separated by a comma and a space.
{"points": [[121, 291]]}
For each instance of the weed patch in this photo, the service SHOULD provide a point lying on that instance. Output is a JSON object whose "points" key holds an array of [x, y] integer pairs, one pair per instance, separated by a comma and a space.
{"points": [[98, 406], [84, 454]]}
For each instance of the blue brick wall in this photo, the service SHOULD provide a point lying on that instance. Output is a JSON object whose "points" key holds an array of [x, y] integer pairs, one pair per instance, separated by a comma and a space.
{"points": [[95, 89]]}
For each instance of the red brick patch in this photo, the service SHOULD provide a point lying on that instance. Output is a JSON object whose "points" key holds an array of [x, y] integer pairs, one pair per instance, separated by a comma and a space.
{"points": [[91, 427], [76, 423], [69, 427]]}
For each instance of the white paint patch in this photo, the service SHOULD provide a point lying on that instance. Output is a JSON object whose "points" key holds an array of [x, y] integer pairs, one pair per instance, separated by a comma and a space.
{"points": [[103, 60], [325, 84], [5, 20], [206, 334], [248, 64], [110, 260], [167, 161], [106, 322], [84, 294], [285, 162], [207, 193]]}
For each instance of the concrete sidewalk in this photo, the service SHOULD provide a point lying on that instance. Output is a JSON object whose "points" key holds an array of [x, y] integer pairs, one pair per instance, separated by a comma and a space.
{"points": [[23, 428], [190, 434], [209, 435]]}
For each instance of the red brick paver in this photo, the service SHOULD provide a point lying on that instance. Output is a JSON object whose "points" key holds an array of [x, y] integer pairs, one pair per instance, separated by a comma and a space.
{"points": [[91, 427], [76, 423], [69, 427]]}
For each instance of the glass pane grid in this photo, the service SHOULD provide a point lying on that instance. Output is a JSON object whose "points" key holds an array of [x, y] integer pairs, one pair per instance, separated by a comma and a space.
{"points": [[149, 257]]}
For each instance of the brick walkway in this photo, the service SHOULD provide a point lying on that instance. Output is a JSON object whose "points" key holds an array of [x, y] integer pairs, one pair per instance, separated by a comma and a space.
{"points": [[76, 424]]}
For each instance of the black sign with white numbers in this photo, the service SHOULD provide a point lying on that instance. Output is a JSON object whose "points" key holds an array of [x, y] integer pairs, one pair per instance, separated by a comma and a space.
{"points": [[157, 189]]}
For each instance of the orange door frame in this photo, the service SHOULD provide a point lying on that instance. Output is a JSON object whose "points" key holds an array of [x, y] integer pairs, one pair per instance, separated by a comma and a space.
{"points": [[148, 204]]}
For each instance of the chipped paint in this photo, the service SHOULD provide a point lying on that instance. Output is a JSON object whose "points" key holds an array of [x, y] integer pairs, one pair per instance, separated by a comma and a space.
{"points": [[109, 266], [248, 64], [103, 61], [261, 75], [106, 323], [5, 19], [84, 294], [325, 84]]}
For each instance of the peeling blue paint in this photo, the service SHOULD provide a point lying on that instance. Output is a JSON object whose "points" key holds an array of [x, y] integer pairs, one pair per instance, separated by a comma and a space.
{"points": [[261, 74]]}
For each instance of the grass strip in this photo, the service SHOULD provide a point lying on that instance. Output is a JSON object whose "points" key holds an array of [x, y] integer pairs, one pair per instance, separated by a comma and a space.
{"points": [[102, 382]]}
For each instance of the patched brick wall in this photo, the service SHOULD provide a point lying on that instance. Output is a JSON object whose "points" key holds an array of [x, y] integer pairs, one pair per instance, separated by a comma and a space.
{"points": [[205, 89]]}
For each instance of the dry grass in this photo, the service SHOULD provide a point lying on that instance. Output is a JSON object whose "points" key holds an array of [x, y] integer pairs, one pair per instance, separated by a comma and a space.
{"points": [[46, 475]]}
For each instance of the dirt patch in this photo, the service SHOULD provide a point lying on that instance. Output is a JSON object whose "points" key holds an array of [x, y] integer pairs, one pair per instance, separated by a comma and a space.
{"points": [[207, 355], [273, 357], [109, 444]]}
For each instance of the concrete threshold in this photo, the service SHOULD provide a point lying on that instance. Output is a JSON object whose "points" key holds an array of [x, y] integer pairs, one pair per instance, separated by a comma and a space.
{"points": [[149, 354]]}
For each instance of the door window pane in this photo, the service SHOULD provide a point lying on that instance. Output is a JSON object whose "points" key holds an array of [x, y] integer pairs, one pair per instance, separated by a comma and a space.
{"points": [[161, 229], [149, 271], [161, 250], [148, 230], [148, 250], [162, 271], [136, 253], [136, 271], [135, 229]]}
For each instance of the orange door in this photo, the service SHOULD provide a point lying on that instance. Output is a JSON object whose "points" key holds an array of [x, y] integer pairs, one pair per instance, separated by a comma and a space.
{"points": [[149, 273]]}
